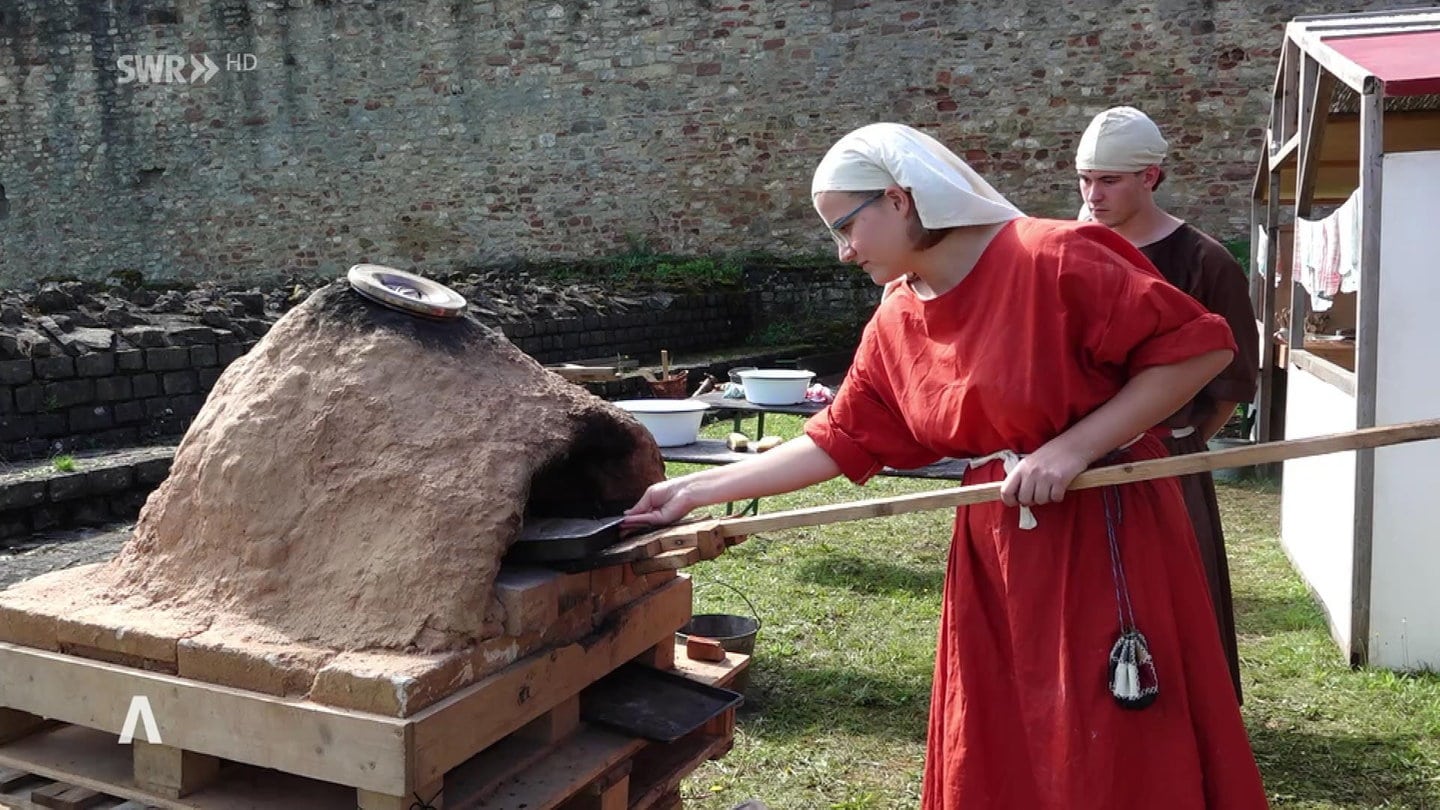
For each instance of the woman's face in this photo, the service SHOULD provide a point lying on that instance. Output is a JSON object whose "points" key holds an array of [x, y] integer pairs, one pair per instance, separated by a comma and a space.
{"points": [[870, 229]]}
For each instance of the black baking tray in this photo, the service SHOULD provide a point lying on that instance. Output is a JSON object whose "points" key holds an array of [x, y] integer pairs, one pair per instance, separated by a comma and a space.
{"points": [[544, 540], [656, 705]]}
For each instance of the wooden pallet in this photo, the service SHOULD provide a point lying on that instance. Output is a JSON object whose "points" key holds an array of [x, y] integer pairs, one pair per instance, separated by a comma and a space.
{"points": [[555, 762], [225, 748]]}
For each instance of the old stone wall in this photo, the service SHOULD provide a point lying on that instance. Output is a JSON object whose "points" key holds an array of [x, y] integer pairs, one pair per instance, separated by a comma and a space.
{"points": [[69, 386], [434, 135]]}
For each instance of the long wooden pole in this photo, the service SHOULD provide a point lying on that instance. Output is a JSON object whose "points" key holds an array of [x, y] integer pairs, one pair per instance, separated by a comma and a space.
{"points": [[1267, 453]]}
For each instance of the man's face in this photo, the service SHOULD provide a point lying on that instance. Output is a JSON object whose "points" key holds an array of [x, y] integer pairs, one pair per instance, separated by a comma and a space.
{"points": [[1115, 197]]}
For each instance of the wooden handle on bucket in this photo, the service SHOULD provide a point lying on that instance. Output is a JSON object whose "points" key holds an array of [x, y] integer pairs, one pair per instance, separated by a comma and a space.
{"points": [[1266, 453]]}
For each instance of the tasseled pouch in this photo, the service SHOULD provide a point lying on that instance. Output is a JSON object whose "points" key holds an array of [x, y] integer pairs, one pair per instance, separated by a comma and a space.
{"points": [[1132, 672], [1133, 681]]}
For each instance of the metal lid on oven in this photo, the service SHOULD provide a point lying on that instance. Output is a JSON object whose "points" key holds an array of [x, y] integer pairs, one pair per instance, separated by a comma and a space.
{"points": [[406, 292]]}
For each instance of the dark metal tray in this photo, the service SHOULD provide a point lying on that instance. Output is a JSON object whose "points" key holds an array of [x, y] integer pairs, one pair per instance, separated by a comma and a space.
{"points": [[650, 703], [557, 539]]}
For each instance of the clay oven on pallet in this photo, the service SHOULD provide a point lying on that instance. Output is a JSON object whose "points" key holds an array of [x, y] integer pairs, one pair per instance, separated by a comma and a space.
{"points": [[317, 608]]}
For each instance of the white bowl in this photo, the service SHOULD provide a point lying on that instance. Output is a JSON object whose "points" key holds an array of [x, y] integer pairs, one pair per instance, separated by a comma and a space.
{"points": [[672, 422], [776, 386]]}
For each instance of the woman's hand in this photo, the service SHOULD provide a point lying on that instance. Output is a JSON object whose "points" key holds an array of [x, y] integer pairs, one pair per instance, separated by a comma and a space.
{"points": [[1043, 476], [663, 503]]}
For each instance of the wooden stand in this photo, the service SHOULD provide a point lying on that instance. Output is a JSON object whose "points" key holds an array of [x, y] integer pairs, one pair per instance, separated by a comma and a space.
{"points": [[517, 731]]}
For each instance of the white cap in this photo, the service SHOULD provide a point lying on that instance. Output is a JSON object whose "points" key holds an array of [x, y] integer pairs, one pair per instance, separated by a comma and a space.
{"points": [[1121, 139], [947, 192]]}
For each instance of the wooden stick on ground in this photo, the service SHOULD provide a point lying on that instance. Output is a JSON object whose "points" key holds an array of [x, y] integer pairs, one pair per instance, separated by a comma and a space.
{"points": [[1270, 452]]}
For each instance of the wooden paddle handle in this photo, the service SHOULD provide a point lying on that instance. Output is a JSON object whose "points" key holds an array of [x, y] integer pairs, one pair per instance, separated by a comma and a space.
{"points": [[1266, 453]]}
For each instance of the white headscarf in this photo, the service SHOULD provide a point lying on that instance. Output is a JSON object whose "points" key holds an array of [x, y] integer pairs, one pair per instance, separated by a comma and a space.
{"points": [[1121, 139], [947, 192]]}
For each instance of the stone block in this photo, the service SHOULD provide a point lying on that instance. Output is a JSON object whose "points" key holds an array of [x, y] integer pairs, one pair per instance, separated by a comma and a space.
{"points": [[202, 356], [50, 516], [393, 684], [51, 425], [530, 597], [143, 634], [158, 407], [251, 657], [16, 372], [179, 382], [129, 413], [145, 337], [54, 368], [170, 358], [189, 335], [29, 398], [67, 487], [110, 479], [113, 389], [21, 495], [95, 364], [145, 385], [67, 393], [152, 471], [208, 377], [16, 426], [230, 352], [130, 360], [91, 418]]}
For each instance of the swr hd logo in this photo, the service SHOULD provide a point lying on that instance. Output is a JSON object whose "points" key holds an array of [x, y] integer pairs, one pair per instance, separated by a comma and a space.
{"points": [[160, 68]]}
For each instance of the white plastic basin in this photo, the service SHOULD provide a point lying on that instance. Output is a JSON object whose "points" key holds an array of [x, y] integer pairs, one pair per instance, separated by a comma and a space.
{"points": [[672, 422], [775, 386]]}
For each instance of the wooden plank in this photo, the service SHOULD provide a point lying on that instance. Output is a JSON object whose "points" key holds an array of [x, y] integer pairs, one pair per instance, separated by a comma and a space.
{"points": [[1356, 76], [634, 548], [62, 796], [554, 725], [659, 769], [451, 731], [480, 776], [16, 724], [1098, 477], [564, 773], [89, 758], [429, 797], [10, 777], [711, 673], [172, 772], [1285, 153], [350, 748], [616, 795], [672, 560], [661, 656], [1367, 348], [1318, 86], [1269, 356]]}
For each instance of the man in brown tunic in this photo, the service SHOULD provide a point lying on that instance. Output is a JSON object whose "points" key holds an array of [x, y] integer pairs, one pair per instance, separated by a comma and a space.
{"points": [[1118, 161]]}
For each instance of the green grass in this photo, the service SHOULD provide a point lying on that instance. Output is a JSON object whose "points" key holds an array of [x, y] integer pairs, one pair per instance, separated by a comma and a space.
{"points": [[63, 463], [836, 708]]}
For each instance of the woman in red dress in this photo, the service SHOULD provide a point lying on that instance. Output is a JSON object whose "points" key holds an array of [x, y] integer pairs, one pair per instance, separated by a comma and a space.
{"points": [[1035, 348]]}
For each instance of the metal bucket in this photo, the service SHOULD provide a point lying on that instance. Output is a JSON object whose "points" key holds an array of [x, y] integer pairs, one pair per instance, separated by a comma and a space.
{"points": [[735, 633]]}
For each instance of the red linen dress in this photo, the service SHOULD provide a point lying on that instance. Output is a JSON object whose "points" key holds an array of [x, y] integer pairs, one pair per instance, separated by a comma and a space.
{"points": [[1050, 324]]}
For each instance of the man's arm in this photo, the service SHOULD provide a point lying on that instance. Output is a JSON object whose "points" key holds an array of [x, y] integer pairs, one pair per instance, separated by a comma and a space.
{"points": [[1216, 419]]}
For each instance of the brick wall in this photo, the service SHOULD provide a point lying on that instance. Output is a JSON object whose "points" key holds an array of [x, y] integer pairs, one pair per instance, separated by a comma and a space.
{"points": [[445, 134]]}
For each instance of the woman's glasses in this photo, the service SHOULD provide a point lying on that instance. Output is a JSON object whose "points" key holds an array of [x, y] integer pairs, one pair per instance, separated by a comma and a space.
{"points": [[838, 225]]}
